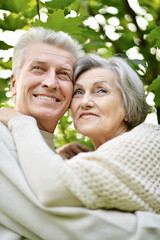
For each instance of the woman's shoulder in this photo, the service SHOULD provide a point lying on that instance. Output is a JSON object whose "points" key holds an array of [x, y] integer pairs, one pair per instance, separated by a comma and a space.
{"points": [[147, 126], [144, 133], [146, 129]]}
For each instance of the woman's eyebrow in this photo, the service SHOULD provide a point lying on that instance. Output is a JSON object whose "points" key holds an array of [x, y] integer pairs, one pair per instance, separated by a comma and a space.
{"points": [[77, 85], [95, 83], [103, 81]]}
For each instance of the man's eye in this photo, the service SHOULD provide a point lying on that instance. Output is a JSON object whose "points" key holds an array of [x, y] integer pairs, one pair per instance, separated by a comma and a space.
{"points": [[64, 76], [37, 68], [64, 73]]}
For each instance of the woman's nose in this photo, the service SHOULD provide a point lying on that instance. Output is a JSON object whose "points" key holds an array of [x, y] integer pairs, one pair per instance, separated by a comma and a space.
{"points": [[87, 101]]}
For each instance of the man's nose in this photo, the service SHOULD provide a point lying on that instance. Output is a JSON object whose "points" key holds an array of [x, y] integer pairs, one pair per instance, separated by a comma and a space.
{"points": [[51, 80], [87, 101]]}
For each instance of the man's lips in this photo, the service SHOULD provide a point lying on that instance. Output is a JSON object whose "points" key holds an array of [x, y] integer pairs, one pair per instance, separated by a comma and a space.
{"points": [[49, 98]]}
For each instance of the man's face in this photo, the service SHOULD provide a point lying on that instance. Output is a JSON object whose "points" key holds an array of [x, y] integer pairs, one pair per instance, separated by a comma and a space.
{"points": [[44, 85]]}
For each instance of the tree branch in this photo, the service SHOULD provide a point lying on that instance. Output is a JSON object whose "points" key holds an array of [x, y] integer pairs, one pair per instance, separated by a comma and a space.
{"points": [[38, 9]]}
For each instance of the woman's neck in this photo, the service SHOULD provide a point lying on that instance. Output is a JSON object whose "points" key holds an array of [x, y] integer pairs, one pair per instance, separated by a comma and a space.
{"points": [[99, 140]]}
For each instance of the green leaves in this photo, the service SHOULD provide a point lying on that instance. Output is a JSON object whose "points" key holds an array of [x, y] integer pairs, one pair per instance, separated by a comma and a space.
{"points": [[4, 46], [28, 7], [6, 65], [155, 88], [58, 4], [3, 83], [154, 36], [12, 22], [58, 22]]}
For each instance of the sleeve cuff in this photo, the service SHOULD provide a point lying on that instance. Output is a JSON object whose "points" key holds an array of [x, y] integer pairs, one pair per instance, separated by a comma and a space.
{"points": [[20, 120]]}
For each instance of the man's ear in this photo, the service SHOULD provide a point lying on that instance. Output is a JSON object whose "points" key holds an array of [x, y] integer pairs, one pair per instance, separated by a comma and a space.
{"points": [[13, 85]]}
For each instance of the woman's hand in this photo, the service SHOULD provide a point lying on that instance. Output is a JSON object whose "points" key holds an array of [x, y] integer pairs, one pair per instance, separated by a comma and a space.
{"points": [[7, 113], [71, 149]]}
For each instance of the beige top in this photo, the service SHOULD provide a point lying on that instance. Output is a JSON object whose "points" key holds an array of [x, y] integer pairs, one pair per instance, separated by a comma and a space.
{"points": [[124, 173]]}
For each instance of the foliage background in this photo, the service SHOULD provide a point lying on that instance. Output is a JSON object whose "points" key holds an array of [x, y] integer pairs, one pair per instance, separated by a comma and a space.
{"points": [[118, 29]]}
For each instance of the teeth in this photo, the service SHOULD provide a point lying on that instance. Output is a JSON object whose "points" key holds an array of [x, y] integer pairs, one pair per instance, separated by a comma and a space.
{"points": [[48, 98], [88, 115]]}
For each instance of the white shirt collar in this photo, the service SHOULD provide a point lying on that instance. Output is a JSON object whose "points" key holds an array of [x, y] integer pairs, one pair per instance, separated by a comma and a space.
{"points": [[48, 138]]}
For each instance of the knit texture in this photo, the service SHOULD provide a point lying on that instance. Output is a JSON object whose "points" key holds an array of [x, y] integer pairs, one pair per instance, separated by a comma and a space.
{"points": [[124, 173]]}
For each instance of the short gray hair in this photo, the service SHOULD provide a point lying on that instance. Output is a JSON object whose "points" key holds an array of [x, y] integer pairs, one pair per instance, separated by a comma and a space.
{"points": [[42, 35], [128, 81]]}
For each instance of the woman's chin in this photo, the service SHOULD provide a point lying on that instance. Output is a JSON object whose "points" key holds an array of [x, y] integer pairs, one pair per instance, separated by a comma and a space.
{"points": [[87, 131]]}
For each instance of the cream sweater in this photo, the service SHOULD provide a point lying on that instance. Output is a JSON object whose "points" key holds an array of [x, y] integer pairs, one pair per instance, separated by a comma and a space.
{"points": [[124, 173]]}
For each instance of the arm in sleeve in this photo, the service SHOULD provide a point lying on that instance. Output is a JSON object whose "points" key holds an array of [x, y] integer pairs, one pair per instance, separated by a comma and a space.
{"points": [[41, 166]]}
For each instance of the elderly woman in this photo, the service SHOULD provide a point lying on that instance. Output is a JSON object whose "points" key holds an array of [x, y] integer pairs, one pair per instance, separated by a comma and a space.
{"points": [[123, 172]]}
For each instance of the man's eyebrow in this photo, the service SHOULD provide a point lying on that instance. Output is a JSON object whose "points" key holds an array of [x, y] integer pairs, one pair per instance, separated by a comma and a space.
{"points": [[66, 68], [43, 62], [38, 61]]}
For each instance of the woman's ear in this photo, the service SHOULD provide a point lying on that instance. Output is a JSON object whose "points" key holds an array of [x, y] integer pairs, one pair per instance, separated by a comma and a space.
{"points": [[13, 85], [126, 119]]}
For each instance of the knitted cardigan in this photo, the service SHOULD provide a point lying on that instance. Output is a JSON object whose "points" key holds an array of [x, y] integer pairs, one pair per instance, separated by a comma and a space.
{"points": [[123, 173]]}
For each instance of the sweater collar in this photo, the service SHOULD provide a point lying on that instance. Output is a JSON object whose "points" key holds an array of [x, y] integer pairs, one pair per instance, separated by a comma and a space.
{"points": [[48, 138]]}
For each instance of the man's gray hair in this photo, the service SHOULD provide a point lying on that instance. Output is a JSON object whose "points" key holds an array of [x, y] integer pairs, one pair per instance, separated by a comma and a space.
{"points": [[128, 81], [42, 35]]}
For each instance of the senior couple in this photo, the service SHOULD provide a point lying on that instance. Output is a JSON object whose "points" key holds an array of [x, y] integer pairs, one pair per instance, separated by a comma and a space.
{"points": [[110, 193]]}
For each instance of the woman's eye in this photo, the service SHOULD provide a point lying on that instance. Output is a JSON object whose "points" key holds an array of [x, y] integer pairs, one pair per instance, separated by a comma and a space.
{"points": [[102, 90], [77, 92]]}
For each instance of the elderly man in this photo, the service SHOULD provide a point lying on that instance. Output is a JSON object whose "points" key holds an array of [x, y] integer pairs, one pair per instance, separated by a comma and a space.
{"points": [[42, 86]]}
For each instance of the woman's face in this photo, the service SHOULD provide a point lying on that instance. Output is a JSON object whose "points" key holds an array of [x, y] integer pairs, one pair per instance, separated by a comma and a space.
{"points": [[97, 107]]}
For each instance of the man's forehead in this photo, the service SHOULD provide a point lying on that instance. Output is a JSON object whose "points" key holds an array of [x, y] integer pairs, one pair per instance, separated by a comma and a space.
{"points": [[50, 59], [43, 50]]}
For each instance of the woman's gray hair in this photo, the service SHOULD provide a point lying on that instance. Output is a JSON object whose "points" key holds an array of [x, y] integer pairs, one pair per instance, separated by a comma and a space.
{"points": [[128, 81], [42, 35]]}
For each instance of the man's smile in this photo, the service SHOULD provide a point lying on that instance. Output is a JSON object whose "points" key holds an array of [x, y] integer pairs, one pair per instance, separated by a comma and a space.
{"points": [[43, 97]]}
